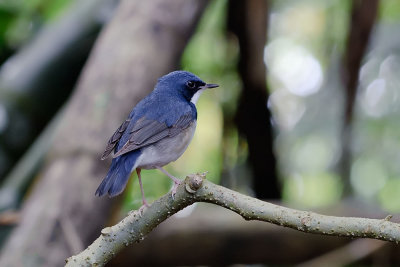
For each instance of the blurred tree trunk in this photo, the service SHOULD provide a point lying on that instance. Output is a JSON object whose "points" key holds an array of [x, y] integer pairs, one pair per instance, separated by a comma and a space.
{"points": [[144, 41], [248, 21], [363, 17]]}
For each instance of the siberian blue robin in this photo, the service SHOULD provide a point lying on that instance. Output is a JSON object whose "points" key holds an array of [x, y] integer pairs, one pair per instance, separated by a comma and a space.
{"points": [[157, 131]]}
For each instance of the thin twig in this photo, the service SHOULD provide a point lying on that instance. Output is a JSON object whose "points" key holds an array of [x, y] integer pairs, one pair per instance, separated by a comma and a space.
{"points": [[196, 188]]}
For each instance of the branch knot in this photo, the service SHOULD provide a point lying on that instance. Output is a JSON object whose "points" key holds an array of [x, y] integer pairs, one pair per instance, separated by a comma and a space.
{"points": [[194, 182]]}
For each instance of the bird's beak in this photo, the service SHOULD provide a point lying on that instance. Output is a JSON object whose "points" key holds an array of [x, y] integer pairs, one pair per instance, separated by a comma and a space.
{"points": [[209, 85]]}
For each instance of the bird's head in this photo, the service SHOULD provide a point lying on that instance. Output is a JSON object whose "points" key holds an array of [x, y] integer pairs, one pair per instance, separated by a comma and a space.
{"points": [[183, 83]]}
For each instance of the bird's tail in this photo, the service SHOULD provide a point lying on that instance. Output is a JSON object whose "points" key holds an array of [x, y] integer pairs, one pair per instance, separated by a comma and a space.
{"points": [[118, 175]]}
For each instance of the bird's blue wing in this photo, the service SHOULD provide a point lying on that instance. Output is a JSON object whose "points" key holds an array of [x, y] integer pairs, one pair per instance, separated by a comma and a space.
{"points": [[112, 143], [150, 121], [148, 131], [141, 133]]}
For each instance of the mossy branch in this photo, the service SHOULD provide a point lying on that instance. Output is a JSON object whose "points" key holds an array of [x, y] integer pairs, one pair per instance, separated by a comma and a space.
{"points": [[196, 188]]}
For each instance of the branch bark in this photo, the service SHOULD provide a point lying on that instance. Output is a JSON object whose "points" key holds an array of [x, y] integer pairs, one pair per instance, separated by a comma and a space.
{"points": [[196, 188]]}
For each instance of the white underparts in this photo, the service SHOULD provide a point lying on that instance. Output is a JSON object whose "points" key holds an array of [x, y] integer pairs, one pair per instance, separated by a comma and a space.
{"points": [[196, 96], [165, 150]]}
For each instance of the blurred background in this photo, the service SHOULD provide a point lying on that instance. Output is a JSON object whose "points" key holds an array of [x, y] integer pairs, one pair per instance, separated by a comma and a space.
{"points": [[306, 115]]}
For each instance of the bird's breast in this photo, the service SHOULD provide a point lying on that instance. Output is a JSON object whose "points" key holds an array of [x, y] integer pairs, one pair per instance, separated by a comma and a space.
{"points": [[166, 150]]}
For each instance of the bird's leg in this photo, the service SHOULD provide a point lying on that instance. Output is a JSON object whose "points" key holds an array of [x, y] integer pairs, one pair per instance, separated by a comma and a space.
{"points": [[144, 201], [177, 181]]}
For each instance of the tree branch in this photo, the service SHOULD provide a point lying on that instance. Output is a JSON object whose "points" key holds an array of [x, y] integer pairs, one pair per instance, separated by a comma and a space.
{"points": [[196, 188]]}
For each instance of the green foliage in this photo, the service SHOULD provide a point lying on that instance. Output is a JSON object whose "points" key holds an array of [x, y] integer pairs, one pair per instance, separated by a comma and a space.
{"points": [[309, 124], [389, 11], [6, 18], [306, 42], [313, 190], [389, 195], [25, 17], [368, 176]]}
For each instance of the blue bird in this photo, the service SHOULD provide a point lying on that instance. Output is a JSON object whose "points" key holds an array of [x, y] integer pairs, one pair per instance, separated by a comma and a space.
{"points": [[157, 131]]}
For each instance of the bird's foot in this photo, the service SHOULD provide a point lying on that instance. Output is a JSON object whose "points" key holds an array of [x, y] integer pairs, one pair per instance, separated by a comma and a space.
{"points": [[143, 207], [177, 182]]}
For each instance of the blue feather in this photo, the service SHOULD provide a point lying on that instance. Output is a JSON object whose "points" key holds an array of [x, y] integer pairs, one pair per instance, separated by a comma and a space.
{"points": [[118, 175]]}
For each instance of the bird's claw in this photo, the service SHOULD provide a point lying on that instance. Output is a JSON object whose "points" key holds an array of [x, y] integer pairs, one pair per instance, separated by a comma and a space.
{"points": [[176, 184], [142, 208]]}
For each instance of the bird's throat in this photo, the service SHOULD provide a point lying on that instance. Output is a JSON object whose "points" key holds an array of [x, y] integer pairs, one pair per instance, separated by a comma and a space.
{"points": [[196, 96]]}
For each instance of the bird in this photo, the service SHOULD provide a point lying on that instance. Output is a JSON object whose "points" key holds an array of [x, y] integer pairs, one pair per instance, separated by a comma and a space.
{"points": [[157, 131]]}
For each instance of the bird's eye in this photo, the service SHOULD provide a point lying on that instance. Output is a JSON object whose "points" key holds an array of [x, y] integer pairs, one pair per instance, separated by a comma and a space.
{"points": [[191, 84]]}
